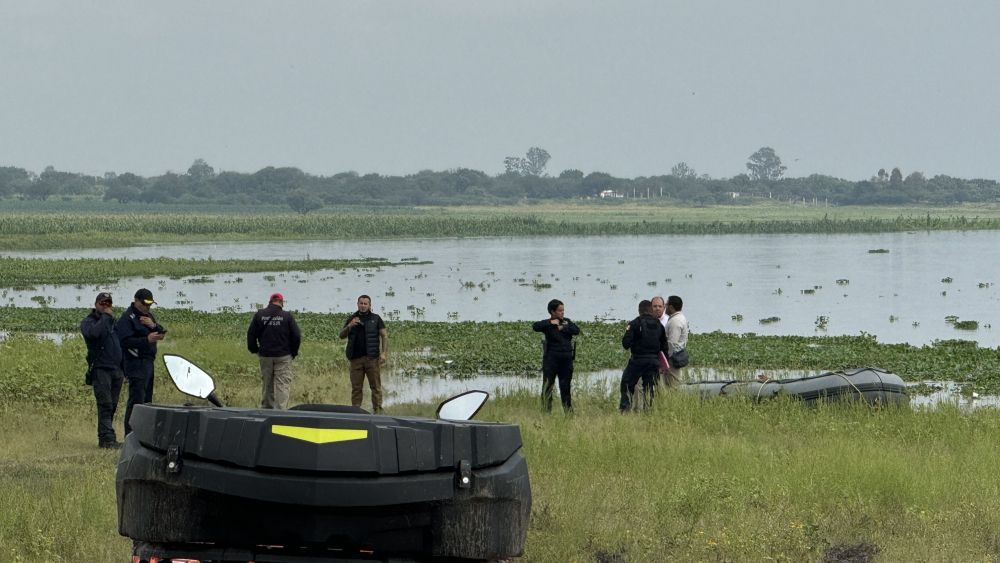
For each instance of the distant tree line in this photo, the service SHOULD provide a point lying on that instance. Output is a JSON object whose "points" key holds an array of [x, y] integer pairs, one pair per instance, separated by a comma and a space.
{"points": [[524, 178]]}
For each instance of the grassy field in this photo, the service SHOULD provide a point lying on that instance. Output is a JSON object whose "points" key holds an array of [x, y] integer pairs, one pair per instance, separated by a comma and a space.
{"points": [[33, 230], [692, 480]]}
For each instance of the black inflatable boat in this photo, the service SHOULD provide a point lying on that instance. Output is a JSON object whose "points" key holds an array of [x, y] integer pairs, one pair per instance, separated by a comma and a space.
{"points": [[323, 482], [871, 385]]}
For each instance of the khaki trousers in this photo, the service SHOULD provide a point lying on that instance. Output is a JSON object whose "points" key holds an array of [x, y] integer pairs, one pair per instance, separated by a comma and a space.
{"points": [[370, 368], [276, 379], [672, 377]]}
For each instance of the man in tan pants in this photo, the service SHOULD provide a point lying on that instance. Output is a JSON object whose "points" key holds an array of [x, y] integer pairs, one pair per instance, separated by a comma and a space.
{"points": [[367, 345], [275, 338]]}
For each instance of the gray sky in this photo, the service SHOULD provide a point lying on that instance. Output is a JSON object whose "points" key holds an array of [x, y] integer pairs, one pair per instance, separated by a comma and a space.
{"points": [[396, 86]]}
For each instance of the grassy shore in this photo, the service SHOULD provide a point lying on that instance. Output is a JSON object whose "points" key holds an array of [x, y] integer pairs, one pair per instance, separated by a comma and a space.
{"points": [[692, 480], [66, 229]]}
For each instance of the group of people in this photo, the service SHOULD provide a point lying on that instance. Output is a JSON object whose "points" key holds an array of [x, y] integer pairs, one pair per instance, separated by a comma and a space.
{"points": [[657, 340], [118, 350], [275, 337], [124, 348]]}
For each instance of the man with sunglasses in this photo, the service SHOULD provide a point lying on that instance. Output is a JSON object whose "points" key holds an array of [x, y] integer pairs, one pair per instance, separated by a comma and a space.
{"points": [[138, 333], [104, 372]]}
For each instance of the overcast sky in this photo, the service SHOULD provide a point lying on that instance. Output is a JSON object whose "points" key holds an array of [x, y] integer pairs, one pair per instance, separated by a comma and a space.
{"points": [[625, 87]]}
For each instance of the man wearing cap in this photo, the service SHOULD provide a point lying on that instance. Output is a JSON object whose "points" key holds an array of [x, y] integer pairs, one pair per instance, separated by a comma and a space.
{"points": [[138, 332], [274, 336], [104, 372]]}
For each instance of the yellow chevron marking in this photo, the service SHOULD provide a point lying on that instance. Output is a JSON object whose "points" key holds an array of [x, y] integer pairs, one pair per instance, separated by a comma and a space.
{"points": [[319, 435]]}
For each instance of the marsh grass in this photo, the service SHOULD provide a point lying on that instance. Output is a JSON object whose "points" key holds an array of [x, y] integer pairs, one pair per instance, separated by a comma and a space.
{"points": [[32, 230], [710, 480], [20, 273], [690, 480]]}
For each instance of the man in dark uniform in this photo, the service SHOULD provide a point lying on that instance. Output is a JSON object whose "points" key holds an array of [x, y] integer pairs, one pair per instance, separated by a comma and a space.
{"points": [[104, 372], [275, 337], [646, 338], [138, 333], [367, 345]]}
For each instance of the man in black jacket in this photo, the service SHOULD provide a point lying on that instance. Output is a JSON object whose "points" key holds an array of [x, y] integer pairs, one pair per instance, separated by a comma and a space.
{"points": [[104, 372], [274, 336], [367, 346], [558, 355], [645, 338], [138, 333]]}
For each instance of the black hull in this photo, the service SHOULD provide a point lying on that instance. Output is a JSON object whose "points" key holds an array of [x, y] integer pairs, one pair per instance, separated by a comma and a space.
{"points": [[382, 511]]}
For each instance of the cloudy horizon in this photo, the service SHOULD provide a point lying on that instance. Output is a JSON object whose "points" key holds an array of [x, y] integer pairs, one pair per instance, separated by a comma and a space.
{"points": [[396, 87]]}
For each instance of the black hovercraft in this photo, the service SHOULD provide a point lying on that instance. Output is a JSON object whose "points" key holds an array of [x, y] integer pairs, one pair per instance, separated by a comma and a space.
{"points": [[319, 482]]}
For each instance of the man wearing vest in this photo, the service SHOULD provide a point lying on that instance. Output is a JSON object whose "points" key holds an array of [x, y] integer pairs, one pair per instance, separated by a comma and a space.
{"points": [[367, 345], [274, 336]]}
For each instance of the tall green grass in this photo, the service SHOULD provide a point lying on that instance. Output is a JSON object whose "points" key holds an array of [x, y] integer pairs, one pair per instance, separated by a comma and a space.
{"points": [[691, 480], [468, 348], [32, 231]]}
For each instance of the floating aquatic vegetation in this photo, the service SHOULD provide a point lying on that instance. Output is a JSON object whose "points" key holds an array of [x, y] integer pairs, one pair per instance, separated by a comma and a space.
{"points": [[879, 251], [843, 281], [770, 320], [947, 280]]}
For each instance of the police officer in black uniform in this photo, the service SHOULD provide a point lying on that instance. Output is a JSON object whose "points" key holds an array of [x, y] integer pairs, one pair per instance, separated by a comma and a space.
{"points": [[104, 372], [645, 338], [138, 333]]}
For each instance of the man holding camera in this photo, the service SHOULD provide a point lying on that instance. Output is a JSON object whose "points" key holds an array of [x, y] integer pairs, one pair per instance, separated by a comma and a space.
{"points": [[138, 332], [367, 345], [104, 372]]}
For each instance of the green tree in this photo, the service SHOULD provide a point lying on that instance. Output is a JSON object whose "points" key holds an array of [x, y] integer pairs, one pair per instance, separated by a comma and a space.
{"points": [[535, 161], [200, 170], [896, 178], [303, 202], [682, 170], [122, 193], [765, 165], [532, 164]]}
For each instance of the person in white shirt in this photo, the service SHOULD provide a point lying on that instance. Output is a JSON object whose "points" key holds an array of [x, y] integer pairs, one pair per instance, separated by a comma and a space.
{"points": [[660, 312], [677, 336], [660, 309]]}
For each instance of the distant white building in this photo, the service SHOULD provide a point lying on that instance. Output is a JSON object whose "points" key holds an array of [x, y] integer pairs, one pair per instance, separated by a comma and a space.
{"points": [[610, 193]]}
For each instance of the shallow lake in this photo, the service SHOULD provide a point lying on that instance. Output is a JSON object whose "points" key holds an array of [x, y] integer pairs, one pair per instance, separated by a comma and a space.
{"points": [[803, 284]]}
